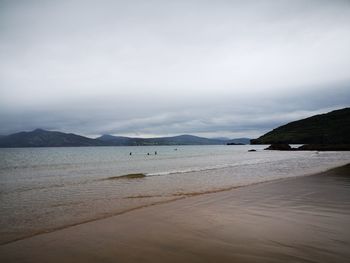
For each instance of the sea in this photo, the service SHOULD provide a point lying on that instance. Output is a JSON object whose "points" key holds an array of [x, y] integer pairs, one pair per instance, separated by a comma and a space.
{"points": [[46, 189]]}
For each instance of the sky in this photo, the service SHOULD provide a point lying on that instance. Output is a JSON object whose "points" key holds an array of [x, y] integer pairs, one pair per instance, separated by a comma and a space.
{"points": [[215, 68]]}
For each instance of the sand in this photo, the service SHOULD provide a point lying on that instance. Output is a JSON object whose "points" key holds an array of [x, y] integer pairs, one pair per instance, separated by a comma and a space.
{"points": [[303, 219]]}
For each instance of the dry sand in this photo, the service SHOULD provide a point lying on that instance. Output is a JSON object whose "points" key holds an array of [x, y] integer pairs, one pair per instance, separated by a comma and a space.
{"points": [[304, 219]]}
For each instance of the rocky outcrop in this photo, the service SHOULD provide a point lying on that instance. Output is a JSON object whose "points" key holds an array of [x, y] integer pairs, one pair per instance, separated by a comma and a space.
{"points": [[324, 147], [310, 147], [279, 147]]}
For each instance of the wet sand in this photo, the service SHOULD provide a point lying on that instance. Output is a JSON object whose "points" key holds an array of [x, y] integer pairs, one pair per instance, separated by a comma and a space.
{"points": [[303, 219]]}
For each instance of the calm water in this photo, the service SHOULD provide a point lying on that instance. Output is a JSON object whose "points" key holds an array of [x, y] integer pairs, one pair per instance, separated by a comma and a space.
{"points": [[43, 189]]}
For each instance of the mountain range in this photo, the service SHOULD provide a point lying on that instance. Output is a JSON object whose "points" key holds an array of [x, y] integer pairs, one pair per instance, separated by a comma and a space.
{"points": [[174, 140], [331, 128], [44, 138]]}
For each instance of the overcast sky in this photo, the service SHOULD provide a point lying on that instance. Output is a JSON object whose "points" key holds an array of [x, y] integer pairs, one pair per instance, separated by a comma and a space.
{"points": [[153, 68]]}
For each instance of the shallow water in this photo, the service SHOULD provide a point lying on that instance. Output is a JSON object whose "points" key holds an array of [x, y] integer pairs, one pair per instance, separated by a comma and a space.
{"points": [[43, 189], [302, 219]]}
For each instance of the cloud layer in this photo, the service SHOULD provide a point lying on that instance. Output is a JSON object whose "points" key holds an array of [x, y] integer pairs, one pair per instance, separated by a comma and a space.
{"points": [[214, 68]]}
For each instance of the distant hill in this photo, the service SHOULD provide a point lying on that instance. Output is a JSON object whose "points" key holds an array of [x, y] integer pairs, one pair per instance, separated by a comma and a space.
{"points": [[240, 141], [116, 140], [329, 128], [175, 140], [184, 140], [43, 138]]}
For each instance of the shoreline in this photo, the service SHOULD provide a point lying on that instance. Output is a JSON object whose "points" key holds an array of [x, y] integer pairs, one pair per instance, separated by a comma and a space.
{"points": [[189, 224], [175, 197]]}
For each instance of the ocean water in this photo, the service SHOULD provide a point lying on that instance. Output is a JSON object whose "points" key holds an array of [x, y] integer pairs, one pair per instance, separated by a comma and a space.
{"points": [[44, 189]]}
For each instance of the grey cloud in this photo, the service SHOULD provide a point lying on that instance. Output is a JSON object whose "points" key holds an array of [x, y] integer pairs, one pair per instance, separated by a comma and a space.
{"points": [[169, 67]]}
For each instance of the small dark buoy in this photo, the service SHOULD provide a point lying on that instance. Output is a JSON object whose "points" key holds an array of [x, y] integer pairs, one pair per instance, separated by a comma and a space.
{"points": [[147, 153], [155, 153], [130, 153]]}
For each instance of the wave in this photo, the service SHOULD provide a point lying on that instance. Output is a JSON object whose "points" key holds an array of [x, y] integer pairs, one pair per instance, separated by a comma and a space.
{"points": [[138, 175], [165, 173], [132, 176], [126, 176], [203, 169]]}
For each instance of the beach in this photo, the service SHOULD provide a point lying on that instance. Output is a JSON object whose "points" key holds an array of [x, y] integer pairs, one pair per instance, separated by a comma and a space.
{"points": [[301, 219], [175, 131]]}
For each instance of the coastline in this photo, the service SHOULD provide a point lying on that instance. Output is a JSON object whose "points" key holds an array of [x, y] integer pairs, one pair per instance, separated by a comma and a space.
{"points": [[293, 219]]}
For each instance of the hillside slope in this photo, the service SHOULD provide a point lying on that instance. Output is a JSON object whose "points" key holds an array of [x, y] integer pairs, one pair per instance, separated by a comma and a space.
{"points": [[43, 138], [175, 140], [329, 128]]}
